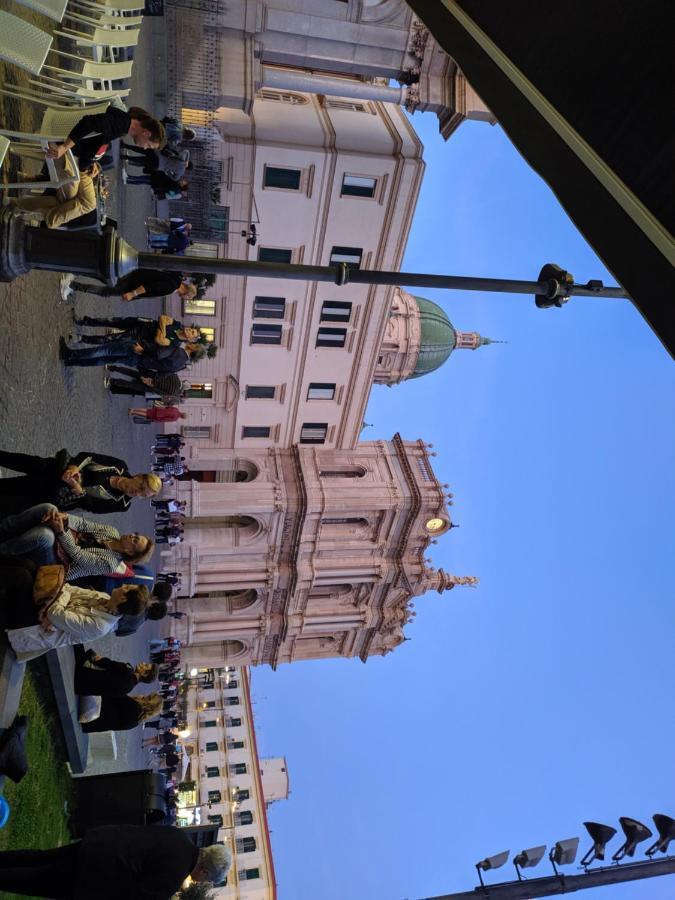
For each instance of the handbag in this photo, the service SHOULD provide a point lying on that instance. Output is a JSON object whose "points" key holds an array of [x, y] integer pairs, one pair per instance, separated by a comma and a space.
{"points": [[49, 581]]}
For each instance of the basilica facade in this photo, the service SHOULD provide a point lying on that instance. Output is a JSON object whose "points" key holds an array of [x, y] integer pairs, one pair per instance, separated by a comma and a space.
{"points": [[303, 541]]}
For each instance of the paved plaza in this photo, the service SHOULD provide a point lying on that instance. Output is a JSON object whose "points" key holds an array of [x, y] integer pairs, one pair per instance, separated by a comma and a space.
{"points": [[45, 406]]}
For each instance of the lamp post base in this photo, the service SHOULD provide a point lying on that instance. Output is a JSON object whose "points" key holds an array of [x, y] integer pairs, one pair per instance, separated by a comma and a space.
{"points": [[25, 246]]}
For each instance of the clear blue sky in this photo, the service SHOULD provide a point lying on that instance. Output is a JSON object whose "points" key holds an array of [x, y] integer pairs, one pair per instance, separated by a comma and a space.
{"points": [[543, 698]]}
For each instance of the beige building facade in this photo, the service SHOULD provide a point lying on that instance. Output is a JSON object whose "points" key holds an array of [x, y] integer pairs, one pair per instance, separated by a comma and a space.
{"points": [[229, 785]]}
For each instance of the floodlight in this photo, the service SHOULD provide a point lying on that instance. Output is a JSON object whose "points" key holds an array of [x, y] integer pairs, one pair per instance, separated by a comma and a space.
{"points": [[635, 833], [600, 835], [564, 852], [666, 829], [194, 672], [492, 862], [526, 859]]}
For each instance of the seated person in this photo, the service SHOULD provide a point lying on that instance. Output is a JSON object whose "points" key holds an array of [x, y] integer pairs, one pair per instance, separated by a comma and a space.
{"points": [[99, 676], [46, 536], [76, 615], [123, 713], [70, 201], [90, 481]]}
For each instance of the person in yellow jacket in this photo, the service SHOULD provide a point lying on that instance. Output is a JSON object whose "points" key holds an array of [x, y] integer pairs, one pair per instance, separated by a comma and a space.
{"points": [[70, 202]]}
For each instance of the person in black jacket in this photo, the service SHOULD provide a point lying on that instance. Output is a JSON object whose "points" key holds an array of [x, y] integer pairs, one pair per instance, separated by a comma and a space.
{"points": [[99, 676], [91, 481], [136, 862], [92, 135], [141, 283], [149, 359]]}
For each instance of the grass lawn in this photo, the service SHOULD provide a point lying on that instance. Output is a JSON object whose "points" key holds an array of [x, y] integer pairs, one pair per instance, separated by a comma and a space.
{"points": [[38, 817]]}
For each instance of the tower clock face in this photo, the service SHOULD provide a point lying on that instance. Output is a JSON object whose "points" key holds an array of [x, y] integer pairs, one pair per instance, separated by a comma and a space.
{"points": [[435, 525]]}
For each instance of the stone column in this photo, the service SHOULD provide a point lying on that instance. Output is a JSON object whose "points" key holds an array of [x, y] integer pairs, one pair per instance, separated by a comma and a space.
{"points": [[308, 83]]}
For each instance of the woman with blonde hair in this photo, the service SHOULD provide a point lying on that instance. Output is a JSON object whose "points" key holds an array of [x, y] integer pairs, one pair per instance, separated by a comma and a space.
{"points": [[124, 713], [47, 537]]}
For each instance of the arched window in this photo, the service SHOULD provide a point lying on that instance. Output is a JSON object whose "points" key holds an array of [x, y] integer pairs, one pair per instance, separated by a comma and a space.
{"points": [[242, 599], [343, 471], [220, 522], [231, 649], [239, 471], [281, 96]]}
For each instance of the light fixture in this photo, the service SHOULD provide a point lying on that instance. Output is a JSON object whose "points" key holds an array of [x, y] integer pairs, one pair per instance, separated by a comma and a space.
{"points": [[600, 835], [563, 853], [527, 859], [635, 833], [666, 829], [185, 733], [491, 862], [194, 672]]}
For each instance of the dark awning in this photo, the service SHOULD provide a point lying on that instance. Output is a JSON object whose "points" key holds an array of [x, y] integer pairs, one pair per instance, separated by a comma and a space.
{"points": [[603, 138]]}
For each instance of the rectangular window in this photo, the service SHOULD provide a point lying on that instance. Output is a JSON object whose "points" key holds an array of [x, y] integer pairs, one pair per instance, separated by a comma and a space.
{"points": [[209, 704], [233, 723], [358, 186], [216, 820], [274, 255], [286, 179], [199, 307], [262, 333], [269, 307], [230, 685], [232, 701], [235, 745], [215, 797], [313, 433], [210, 723], [260, 391], [248, 874], [242, 794], [255, 431], [245, 845], [209, 333], [336, 311], [238, 769], [203, 391], [320, 391], [350, 255], [212, 772], [211, 746], [196, 431], [331, 337]]}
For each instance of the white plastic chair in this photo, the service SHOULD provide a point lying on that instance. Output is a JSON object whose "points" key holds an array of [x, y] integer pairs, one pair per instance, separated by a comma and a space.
{"points": [[90, 71], [105, 38], [33, 146], [115, 6], [53, 9], [56, 89], [22, 44], [79, 105], [104, 20]]}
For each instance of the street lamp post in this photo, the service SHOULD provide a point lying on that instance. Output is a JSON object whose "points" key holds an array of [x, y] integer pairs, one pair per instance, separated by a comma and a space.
{"points": [[108, 257]]}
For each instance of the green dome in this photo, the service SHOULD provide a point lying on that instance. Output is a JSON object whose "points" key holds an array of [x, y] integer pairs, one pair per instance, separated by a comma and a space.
{"points": [[438, 337]]}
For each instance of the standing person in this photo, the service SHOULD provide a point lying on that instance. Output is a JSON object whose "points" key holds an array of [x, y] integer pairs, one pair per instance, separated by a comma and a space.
{"points": [[128, 351], [158, 413], [176, 241], [168, 388], [91, 136], [91, 481], [47, 537], [141, 283], [137, 862], [163, 331]]}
